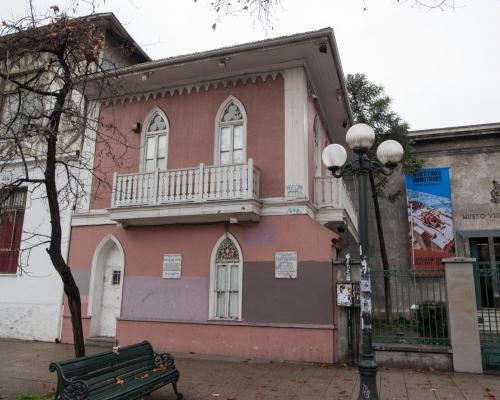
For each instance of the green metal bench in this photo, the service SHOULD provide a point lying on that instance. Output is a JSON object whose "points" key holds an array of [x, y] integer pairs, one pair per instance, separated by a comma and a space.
{"points": [[130, 373]]}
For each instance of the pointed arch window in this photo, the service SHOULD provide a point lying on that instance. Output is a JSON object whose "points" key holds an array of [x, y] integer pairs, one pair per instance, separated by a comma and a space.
{"points": [[231, 133], [155, 142], [226, 281]]}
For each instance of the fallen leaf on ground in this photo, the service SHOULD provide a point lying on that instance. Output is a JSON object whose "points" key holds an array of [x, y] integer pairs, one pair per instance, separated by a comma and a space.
{"points": [[215, 395], [119, 381], [489, 394]]}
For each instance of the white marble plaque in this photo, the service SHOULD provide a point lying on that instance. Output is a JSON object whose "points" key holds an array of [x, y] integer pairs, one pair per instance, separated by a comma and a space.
{"points": [[172, 266], [285, 264]]}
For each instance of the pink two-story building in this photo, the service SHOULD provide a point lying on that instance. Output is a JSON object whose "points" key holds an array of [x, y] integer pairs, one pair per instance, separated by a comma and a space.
{"points": [[211, 228]]}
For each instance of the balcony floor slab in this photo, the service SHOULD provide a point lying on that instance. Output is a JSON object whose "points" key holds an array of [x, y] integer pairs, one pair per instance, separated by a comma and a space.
{"points": [[177, 213]]}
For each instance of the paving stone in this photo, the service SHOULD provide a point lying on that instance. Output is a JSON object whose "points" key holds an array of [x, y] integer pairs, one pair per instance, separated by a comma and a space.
{"points": [[24, 369]]}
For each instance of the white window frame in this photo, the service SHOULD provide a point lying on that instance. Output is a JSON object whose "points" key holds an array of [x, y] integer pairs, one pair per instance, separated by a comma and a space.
{"points": [[219, 124], [145, 134], [212, 313]]}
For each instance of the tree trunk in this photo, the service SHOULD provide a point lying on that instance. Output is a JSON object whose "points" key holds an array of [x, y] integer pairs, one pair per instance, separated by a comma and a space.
{"points": [[55, 253], [383, 249]]}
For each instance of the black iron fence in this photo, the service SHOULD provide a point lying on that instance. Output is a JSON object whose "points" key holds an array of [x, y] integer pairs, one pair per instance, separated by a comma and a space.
{"points": [[408, 308]]}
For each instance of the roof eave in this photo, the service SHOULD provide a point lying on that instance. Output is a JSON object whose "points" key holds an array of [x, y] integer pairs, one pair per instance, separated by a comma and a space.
{"points": [[219, 53], [455, 132]]}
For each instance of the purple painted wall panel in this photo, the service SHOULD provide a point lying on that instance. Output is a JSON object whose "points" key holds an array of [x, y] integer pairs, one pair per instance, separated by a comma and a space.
{"points": [[305, 300], [165, 299]]}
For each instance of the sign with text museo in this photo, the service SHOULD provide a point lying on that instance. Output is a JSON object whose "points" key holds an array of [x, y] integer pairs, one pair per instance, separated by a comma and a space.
{"points": [[430, 218]]}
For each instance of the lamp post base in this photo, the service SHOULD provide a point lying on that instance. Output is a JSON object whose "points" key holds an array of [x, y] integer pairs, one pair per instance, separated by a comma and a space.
{"points": [[368, 380]]}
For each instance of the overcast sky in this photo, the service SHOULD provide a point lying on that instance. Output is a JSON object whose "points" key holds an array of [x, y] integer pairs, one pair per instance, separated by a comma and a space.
{"points": [[441, 68]]}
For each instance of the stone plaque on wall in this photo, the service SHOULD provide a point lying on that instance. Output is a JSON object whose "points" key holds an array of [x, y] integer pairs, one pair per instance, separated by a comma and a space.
{"points": [[172, 266], [285, 264]]}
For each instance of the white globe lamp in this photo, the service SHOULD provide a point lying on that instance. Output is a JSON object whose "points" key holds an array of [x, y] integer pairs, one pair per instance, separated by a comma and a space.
{"points": [[334, 155], [390, 152], [360, 137]]}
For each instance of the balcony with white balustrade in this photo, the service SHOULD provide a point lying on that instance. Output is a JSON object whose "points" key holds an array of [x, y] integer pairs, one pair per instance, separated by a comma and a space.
{"points": [[189, 195], [334, 204]]}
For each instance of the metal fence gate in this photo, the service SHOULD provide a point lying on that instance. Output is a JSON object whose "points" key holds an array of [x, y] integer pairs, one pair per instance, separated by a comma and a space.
{"points": [[410, 308], [487, 278], [486, 252]]}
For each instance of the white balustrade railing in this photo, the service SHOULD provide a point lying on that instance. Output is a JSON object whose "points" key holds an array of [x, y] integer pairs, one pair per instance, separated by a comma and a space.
{"points": [[332, 192], [197, 184]]}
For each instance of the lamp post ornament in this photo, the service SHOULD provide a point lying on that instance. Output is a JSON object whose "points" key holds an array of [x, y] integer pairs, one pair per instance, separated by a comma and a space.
{"points": [[360, 138]]}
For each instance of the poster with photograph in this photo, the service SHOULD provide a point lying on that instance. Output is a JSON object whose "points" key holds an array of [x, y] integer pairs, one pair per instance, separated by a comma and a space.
{"points": [[430, 218]]}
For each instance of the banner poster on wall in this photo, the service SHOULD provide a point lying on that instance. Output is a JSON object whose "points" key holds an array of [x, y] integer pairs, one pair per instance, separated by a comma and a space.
{"points": [[430, 218]]}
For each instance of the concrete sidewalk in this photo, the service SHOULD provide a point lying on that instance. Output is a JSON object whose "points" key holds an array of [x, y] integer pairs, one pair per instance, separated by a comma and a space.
{"points": [[24, 369]]}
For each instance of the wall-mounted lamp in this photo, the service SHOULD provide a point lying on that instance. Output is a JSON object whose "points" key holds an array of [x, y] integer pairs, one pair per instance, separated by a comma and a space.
{"points": [[136, 127], [323, 48]]}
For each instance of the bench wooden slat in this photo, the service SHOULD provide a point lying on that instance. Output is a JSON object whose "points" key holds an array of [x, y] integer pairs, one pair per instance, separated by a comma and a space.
{"points": [[119, 368], [131, 383], [111, 378]]}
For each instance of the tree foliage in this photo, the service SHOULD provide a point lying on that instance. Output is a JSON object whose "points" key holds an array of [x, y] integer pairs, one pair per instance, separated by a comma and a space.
{"points": [[371, 105]]}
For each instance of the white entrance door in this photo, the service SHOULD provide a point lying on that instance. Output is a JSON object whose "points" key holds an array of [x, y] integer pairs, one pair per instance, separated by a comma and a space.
{"points": [[111, 294]]}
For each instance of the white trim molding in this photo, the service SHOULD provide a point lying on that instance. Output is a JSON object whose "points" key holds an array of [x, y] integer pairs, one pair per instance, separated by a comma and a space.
{"points": [[296, 134], [92, 217]]}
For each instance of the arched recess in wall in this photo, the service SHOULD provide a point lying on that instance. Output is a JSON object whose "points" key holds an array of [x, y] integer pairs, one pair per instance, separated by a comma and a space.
{"points": [[226, 279], [154, 141], [230, 132], [106, 286]]}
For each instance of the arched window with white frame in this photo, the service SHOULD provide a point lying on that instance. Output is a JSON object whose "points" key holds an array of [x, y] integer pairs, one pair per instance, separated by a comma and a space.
{"points": [[231, 125], [226, 279], [155, 141]]}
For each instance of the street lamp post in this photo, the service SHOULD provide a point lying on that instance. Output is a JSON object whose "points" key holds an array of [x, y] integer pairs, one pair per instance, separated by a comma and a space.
{"points": [[360, 138]]}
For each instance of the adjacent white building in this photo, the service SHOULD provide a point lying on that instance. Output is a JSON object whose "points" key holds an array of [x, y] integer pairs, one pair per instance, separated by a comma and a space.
{"points": [[31, 292]]}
